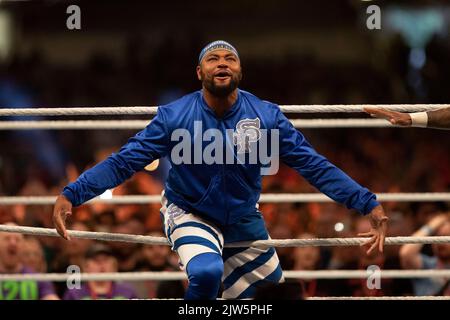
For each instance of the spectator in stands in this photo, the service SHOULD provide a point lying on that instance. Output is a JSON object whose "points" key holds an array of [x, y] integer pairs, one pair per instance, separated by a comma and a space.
{"points": [[308, 258], [33, 255], [411, 257], [11, 246], [100, 259], [158, 258]]}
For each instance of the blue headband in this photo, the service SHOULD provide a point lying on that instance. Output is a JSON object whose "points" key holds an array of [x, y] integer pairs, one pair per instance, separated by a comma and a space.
{"points": [[216, 45]]}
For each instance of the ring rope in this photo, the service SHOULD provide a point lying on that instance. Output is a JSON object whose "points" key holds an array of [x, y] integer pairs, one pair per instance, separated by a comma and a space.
{"points": [[151, 240], [152, 110], [346, 298], [265, 198], [383, 298], [363, 274], [179, 275], [140, 124]]}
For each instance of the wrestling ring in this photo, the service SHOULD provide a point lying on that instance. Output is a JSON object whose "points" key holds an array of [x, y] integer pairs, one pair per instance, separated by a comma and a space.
{"points": [[267, 197]]}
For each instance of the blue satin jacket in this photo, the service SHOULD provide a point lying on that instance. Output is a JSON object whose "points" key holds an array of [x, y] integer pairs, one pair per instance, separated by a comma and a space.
{"points": [[222, 191]]}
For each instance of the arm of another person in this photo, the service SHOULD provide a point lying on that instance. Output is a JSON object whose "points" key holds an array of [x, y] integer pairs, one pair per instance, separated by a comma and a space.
{"points": [[438, 119], [410, 257], [296, 152], [149, 144]]}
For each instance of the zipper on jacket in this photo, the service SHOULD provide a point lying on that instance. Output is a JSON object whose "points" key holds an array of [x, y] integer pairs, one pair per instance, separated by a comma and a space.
{"points": [[222, 128]]}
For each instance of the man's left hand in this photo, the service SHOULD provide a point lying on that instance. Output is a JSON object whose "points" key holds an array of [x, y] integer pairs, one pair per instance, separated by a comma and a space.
{"points": [[378, 221]]}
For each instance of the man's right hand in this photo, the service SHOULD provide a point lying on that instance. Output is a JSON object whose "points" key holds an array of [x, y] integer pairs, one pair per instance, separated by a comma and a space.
{"points": [[62, 209], [396, 118]]}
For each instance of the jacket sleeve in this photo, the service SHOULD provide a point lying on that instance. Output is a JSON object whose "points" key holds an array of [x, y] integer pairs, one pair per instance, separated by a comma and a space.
{"points": [[297, 153], [147, 145]]}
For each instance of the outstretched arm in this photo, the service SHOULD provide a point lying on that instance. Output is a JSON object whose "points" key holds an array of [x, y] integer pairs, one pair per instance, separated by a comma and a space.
{"points": [[410, 257], [146, 146], [296, 152], [439, 119]]}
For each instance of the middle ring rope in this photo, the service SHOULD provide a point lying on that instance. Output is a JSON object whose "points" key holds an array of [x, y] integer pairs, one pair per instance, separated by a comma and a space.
{"points": [[150, 240], [265, 198]]}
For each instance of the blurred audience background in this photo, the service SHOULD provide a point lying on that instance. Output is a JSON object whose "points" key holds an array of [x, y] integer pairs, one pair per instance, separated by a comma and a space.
{"points": [[139, 53]]}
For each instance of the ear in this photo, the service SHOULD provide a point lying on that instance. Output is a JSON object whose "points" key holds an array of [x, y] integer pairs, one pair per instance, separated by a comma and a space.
{"points": [[199, 74]]}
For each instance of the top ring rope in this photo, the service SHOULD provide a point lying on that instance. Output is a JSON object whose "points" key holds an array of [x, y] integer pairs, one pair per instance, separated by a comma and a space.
{"points": [[382, 298], [152, 110], [140, 124], [150, 240]]}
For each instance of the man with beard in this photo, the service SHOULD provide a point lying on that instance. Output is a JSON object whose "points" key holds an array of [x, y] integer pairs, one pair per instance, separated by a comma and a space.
{"points": [[207, 204]]}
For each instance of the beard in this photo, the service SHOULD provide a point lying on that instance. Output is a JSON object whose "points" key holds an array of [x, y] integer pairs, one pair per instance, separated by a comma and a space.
{"points": [[221, 91]]}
